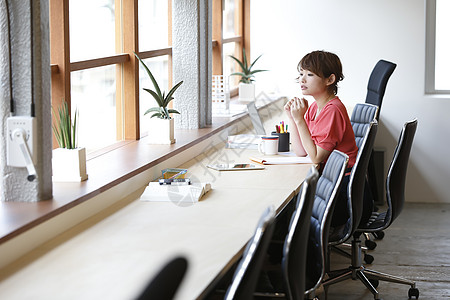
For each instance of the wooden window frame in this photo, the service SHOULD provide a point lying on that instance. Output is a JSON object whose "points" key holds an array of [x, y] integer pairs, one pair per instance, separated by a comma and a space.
{"points": [[127, 66]]}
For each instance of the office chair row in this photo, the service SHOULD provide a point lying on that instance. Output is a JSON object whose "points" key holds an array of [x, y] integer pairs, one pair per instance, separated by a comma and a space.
{"points": [[306, 247]]}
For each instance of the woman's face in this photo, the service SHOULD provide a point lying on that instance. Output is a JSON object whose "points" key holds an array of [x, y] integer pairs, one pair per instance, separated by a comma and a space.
{"points": [[312, 84]]}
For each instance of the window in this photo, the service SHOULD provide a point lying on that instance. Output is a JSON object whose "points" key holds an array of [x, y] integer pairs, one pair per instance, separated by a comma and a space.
{"points": [[92, 43], [231, 33], [93, 90], [437, 80]]}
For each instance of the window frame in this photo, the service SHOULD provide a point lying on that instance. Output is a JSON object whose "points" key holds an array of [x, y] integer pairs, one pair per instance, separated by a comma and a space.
{"points": [[430, 50]]}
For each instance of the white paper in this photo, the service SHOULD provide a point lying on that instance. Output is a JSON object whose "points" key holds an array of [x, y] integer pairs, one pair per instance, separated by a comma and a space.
{"points": [[175, 193]]}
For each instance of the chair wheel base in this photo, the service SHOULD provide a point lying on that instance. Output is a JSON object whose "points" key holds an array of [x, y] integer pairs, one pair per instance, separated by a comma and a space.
{"points": [[413, 292]]}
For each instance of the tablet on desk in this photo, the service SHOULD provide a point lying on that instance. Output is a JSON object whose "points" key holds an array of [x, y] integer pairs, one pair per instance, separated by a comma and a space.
{"points": [[234, 167]]}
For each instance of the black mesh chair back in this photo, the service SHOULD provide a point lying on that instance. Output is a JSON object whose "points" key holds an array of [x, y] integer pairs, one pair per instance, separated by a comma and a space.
{"points": [[293, 263], [165, 284], [355, 188], [362, 115], [326, 191], [378, 79], [247, 272]]}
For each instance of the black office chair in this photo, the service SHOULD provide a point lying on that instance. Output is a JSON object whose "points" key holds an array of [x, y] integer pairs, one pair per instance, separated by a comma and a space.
{"points": [[247, 272], [376, 86], [376, 89], [356, 185], [165, 284], [294, 253], [395, 198], [293, 263], [362, 115], [355, 198], [324, 200]]}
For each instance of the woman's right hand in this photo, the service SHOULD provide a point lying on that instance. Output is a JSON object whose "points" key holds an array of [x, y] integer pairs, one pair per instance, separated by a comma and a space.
{"points": [[298, 108]]}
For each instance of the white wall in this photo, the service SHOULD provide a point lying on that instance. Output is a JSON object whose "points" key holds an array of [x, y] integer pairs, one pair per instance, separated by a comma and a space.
{"points": [[361, 33]]}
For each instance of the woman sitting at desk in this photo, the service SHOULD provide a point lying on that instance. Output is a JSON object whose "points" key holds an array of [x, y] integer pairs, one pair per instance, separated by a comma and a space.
{"points": [[324, 126]]}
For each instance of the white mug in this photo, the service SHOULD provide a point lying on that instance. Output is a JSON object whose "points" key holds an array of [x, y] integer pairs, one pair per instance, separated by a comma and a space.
{"points": [[268, 145]]}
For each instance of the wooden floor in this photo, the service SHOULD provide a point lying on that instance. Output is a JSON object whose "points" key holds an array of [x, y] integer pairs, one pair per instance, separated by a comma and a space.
{"points": [[416, 247]]}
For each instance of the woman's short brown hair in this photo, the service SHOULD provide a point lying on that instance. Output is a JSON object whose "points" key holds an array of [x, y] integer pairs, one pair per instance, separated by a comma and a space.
{"points": [[323, 64]]}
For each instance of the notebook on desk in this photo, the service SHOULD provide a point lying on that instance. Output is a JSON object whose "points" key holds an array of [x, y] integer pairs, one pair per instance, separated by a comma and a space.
{"points": [[191, 193]]}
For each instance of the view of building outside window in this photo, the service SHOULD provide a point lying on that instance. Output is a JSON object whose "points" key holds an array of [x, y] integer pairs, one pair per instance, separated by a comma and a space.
{"points": [[442, 63], [93, 91]]}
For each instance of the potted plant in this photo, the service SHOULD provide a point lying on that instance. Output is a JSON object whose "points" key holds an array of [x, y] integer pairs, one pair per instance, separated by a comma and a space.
{"points": [[161, 125], [69, 160], [246, 86]]}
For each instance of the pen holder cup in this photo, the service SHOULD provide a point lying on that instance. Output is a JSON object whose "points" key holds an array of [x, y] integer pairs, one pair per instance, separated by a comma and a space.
{"points": [[283, 141]]}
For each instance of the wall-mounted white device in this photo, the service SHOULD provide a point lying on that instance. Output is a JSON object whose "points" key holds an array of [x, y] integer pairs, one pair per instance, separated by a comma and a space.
{"points": [[21, 143]]}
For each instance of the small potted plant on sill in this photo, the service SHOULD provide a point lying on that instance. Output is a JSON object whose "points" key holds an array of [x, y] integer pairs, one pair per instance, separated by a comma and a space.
{"points": [[246, 86], [161, 129], [69, 160]]}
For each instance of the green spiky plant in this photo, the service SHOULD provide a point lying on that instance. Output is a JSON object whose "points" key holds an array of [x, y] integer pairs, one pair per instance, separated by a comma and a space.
{"points": [[64, 129], [247, 73], [162, 99]]}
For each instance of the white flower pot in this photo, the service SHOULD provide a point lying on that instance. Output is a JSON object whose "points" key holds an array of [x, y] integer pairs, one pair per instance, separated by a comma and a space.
{"points": [[161, 131], [69, 165], [246, 91]]}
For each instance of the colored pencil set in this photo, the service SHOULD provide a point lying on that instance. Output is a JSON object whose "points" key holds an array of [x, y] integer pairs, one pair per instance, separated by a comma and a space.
{"points": [[281, 128]]}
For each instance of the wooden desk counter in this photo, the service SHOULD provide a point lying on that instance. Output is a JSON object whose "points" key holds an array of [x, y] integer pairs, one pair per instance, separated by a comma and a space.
{"points": [[116, 257], [115, 254]]}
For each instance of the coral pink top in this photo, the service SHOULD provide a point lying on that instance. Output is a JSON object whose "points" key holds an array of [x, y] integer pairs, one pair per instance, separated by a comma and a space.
{"points": [[332, 129]]}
